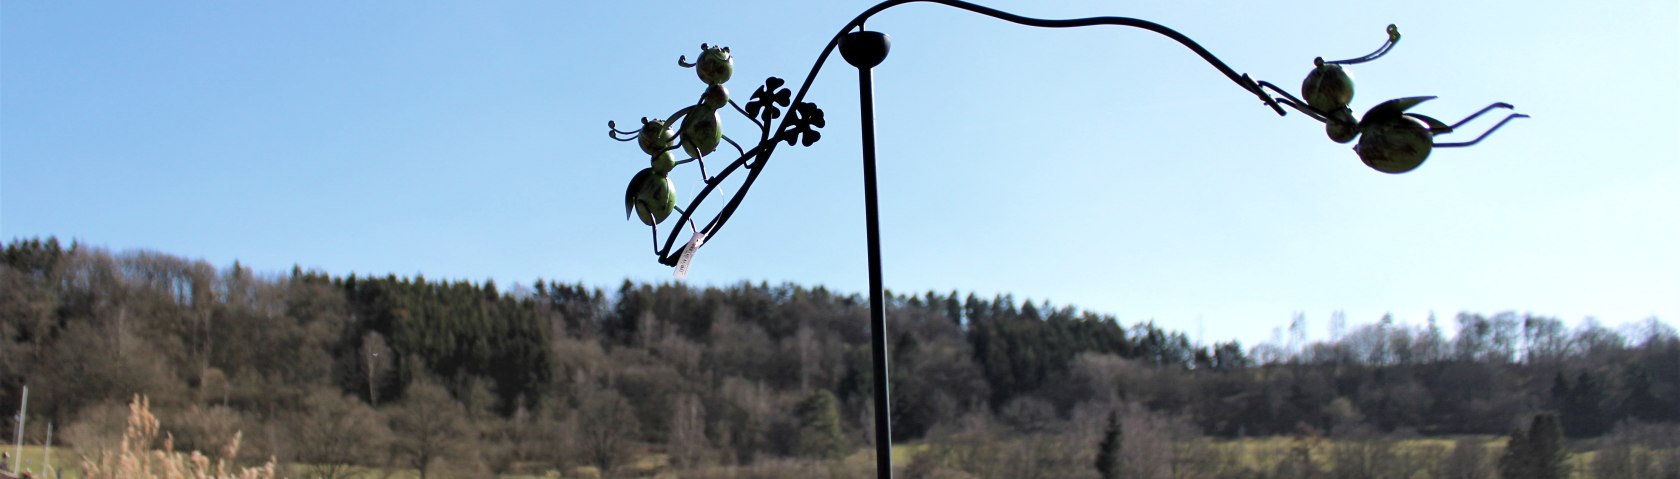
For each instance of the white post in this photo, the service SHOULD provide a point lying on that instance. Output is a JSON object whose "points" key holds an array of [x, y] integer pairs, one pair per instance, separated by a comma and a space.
{"points": [[46, 456], [18, 456]]}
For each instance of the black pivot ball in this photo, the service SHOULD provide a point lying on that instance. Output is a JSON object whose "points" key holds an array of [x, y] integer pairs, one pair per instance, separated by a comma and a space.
{"points": [[864, 49]]}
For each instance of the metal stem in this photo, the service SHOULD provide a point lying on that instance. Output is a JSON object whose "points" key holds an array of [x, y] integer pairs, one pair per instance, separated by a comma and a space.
{"points": [[877, 303], [865, 50], [23, 414]]}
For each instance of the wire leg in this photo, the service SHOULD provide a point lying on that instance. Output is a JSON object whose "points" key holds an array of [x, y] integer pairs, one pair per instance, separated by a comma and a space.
{"points": [[1481, 112], [701, 159], [737, 146], [655, 230], [1484, 134]]}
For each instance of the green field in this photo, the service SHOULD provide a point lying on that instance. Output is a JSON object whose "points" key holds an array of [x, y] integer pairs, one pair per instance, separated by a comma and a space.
{"points": [[1257, 453], [62, 459]]}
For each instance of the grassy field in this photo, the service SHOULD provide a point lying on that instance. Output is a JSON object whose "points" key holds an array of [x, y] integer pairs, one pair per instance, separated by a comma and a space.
{"points": [[65, 460], [1254, 452], [1263, 453]]}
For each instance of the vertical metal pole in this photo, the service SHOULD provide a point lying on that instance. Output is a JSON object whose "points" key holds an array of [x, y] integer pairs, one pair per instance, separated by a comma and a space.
{"points": [[46, 456], [864, 50], [877, 303], [373, 397], [23, 409]]}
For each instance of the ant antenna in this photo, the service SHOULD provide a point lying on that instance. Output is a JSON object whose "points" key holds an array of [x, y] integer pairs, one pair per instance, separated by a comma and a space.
{"points": [[1393, 39]]}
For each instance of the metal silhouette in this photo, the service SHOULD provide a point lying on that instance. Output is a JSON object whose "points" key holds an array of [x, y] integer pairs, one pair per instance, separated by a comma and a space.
{"points": [[1390, 140]]}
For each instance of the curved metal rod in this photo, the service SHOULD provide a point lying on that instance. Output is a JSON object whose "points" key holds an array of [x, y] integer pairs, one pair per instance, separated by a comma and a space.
{"points": [[734, 144], [1393, 39], [762, 151], [744, 113], [1240, 79], [1484, 134], [1473, 116], [613, 131], [767, 143], [1296, 103], [701, 160]]}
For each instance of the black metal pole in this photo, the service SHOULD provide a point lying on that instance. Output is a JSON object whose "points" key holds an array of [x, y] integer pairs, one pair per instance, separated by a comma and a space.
{"points": [[864, 50]]}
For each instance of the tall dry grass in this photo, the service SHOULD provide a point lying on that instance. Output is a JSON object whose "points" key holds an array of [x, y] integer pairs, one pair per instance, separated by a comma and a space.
{"points": [[136, 458]]}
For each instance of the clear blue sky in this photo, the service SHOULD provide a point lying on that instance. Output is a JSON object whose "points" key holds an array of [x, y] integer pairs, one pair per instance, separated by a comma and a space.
{"points": [[1106, 168]]}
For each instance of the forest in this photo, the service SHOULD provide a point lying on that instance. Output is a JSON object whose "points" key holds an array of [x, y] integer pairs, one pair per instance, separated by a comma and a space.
{"points": [[361, 375]]}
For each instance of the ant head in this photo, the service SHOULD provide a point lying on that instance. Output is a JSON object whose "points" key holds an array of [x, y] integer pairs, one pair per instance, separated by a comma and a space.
{"points": [[655, 136], [715, 64], [1328, 87]]}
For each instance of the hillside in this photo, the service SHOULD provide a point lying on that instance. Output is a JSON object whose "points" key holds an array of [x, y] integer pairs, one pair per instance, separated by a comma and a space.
{"points": [[415, 372]]}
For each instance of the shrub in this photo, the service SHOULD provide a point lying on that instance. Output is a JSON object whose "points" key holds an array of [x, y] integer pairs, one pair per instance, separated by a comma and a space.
{"points": [[135, 457]]}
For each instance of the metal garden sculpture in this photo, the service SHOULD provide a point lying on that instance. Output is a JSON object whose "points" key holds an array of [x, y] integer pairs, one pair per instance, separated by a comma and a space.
{"points": [[1391, 140]]}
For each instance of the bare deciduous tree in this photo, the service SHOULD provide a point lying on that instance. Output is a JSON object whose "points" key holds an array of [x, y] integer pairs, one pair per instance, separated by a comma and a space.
{"points": [[334, 433], [377, 359], [687, 442], [606, 429], [1147, 452], [428, 425]]}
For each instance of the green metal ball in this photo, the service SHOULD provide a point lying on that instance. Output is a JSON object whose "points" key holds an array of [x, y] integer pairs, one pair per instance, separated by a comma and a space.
{"points": [[1328, 87], [1341, 127], [656, 200], [655, 137], [716, 97], [702, 130], [663, 162], [1394, 145], [715, 65]]}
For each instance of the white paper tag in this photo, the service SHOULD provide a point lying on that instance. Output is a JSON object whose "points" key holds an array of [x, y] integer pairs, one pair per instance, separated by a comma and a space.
{"points": [[688, 254]]}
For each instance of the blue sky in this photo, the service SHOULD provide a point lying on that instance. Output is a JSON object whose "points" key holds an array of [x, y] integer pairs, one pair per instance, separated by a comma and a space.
{"points": [[1106, 168]]}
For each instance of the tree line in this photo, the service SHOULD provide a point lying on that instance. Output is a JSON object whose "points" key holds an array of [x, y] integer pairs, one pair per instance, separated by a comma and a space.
{"points": [[343, 370]]}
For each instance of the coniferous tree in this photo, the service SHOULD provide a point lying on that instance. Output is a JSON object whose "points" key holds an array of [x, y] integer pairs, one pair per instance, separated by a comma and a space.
{"points": [[1583, 406], [1546, 444], [819, 425], [1538, 453], [1514, 463], [1560, 390], [1108, 451], [1637, 401], [953, 308]]}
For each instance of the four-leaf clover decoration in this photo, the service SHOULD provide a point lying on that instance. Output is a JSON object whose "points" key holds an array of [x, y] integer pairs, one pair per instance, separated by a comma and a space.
{"points": [[767, 98], [805, 119]]}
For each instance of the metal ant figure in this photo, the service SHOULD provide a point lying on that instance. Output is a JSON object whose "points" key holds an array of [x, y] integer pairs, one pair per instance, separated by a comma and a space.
{"points": [[651, 195], [1328, 89], [1390, 140], [696, 130], [701, 127]]}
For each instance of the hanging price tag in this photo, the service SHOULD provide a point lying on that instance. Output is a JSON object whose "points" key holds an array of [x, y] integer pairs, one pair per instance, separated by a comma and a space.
{"points": [[688, 254]]}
